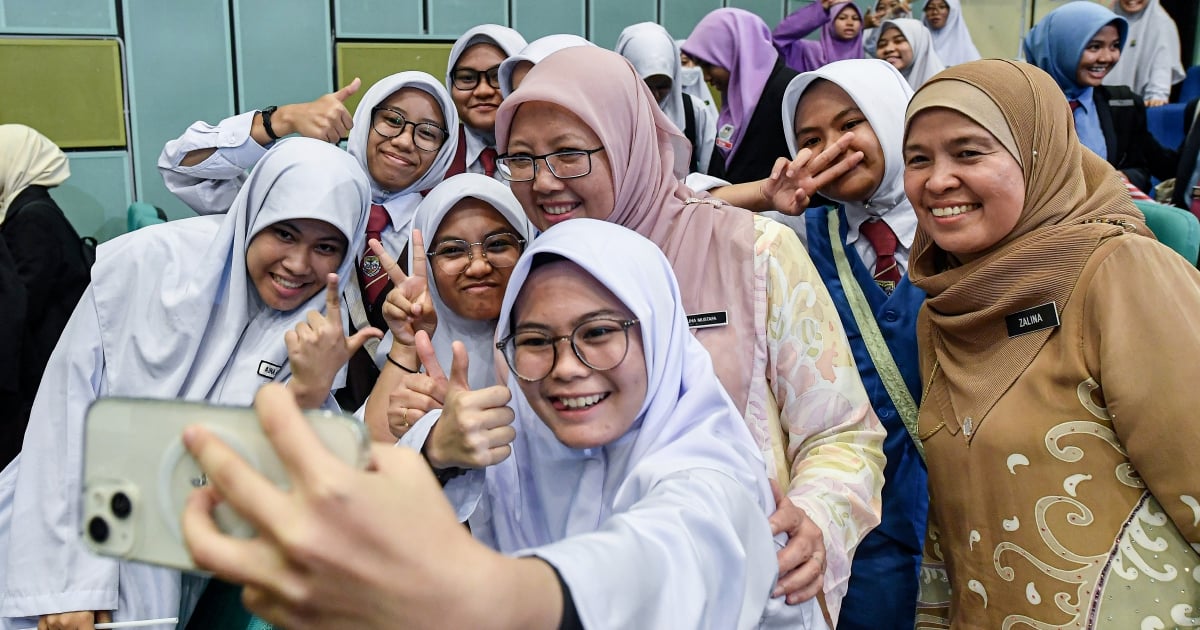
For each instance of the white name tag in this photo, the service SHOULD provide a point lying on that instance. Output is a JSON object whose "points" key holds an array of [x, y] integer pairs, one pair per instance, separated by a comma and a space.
{"points": [[266, 369]]}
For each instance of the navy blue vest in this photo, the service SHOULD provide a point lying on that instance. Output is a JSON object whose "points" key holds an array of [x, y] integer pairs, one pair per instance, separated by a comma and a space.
{"points": [[905, 497]]}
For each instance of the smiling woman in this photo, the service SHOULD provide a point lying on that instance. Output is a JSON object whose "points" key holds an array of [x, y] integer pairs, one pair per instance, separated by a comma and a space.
{"points": [[1039, 269], [194, 309]]}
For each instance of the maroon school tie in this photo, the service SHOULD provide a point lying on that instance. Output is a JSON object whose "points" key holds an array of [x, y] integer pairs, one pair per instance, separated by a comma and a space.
{"points": [[883, 240], [1074, 103], [487, 157], [370, 270]]}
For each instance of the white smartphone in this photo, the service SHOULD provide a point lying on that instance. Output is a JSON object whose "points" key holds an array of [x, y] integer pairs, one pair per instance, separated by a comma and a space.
{"points": [[137, 474]]}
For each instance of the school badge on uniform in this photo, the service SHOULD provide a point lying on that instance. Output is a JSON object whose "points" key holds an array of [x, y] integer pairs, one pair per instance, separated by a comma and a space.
{"points": [[371, 265], [725, 136]]}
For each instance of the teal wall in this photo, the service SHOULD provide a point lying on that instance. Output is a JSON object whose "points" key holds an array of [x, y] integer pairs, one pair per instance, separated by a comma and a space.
{"points": [[208, 59]]}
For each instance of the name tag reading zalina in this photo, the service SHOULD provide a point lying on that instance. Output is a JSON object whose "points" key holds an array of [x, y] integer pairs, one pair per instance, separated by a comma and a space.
{"points": [[708, 320], [1032, 320]]}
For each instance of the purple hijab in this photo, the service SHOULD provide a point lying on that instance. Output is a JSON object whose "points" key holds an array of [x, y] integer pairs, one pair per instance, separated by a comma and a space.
{"points": [[804, 55], [740, 42]]}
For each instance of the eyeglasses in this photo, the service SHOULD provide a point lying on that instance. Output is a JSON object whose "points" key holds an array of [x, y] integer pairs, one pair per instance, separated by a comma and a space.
{"points": [[452, 257], [390, 123], [467, 79], [600, 344], [567, 164]]}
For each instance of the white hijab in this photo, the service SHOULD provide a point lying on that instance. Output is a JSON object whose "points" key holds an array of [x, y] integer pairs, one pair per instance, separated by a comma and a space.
{"points": [[1150, 61], [27, 158], [882, 94], [547, 491], [401, 204], [476, 335], [178, 315], [534, 53], [953, 41], [506, 39], [651, 50], [925, 61]]}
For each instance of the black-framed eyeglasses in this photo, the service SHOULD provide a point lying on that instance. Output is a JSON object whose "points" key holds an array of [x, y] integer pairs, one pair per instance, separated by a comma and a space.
{"points": [[452, 257], [467, 79], [600, 344], [390, 123], [565, 164]]}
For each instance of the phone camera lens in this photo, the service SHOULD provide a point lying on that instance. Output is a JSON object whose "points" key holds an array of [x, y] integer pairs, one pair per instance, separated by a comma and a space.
{"points": [[121, 505], [98, 529]]}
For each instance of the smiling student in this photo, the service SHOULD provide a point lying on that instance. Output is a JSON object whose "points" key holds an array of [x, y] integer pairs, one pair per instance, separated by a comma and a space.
{"points": [[951, 37], [1079, 44], [192, 310], [1058, 419], [908, 46], [473, 79], [404, 135], [841, 25]]}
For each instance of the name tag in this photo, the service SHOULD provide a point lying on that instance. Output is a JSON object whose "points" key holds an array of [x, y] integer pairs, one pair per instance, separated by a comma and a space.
{"points": [[1120, 102], [708, 320], [1032, 320], [725, 136], [266, 369]]}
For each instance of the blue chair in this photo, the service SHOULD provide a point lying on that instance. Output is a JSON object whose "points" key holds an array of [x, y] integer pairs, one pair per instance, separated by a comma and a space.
{"points": [[1174, 227], [141, 214], [1166, 124], [1190, 88]]}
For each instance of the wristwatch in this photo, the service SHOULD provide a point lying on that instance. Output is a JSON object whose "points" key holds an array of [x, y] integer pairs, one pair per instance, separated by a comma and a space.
{"points": [[266, 120]]}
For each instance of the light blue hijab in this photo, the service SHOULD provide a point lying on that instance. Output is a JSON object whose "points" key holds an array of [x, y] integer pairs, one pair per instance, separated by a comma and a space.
{"points": [[1056, 43]]}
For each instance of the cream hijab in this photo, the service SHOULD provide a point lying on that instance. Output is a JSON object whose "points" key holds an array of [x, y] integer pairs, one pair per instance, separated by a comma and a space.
{"points": [[710, 247], [27, 158], [1073, 201], [1150, 61], [475, 335]]}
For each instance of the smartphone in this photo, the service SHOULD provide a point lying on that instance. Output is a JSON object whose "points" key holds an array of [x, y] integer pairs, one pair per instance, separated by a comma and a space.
{"points": [[137, 474]]}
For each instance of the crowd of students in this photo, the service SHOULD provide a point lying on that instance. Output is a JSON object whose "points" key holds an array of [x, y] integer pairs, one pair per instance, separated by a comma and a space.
{"points": [[881, 341]]}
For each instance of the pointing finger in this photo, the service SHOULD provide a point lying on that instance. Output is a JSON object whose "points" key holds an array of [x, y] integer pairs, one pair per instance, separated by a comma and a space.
{"points": [[394, 272]]}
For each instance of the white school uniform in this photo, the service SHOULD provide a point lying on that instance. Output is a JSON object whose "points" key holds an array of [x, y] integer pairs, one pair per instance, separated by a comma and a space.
{"points": [[171, 313], [511, 43]]}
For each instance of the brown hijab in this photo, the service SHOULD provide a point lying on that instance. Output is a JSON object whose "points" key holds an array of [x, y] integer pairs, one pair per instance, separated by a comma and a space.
{"points": [[1073, 201], [711, 248]]}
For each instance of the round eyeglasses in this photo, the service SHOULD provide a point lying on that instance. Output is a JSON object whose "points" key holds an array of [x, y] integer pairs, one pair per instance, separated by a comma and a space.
{"points": [[566, 164], [467, 79], [452, 257], [390, 123], [600, 344]]}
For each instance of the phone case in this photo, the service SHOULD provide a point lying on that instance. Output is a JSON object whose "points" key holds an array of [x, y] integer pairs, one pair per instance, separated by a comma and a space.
{"points": [[138, 474]]}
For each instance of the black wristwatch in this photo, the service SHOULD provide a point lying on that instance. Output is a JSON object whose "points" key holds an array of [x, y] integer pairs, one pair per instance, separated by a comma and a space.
{"points": [[266, 119]]}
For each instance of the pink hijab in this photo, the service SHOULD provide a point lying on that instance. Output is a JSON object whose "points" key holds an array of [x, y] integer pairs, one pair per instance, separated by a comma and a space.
{"points": [[740, 42], [711, 249]]}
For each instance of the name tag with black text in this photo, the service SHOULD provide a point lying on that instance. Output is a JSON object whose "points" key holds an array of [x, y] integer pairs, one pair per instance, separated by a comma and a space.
{"points": [[266, 369]]}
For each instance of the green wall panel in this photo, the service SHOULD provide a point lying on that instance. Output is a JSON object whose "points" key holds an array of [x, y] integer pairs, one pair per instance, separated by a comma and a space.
{"points": [[97, 194], [610, 18], [449, 19], [679, 17], [59, 17], [379, 19], [70, 89], [372, 62], [538, 18], [167, 95], [771, 11], [279, 70]]}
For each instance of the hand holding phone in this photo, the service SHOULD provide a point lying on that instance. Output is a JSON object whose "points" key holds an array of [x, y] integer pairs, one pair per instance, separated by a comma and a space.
{"points": [[138, 474]]}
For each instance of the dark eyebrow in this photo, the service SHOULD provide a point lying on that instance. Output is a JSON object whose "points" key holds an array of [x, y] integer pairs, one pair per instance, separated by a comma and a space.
{"points": [[842, 115], [499, 230], [397, 110], [604, 313]]}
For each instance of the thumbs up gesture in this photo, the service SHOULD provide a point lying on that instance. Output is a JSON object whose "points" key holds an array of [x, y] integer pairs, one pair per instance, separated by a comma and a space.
{"points": [[318, 347], [324, 119], [475, 429]]}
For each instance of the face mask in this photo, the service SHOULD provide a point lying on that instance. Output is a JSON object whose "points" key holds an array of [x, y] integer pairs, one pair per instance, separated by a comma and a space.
{"points": [[691, 76]]}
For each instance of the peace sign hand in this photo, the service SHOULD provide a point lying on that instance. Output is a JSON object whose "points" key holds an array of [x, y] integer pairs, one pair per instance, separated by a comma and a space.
{"points": [[409, 306], [475, 429], [318, 348], [792, 183]]}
